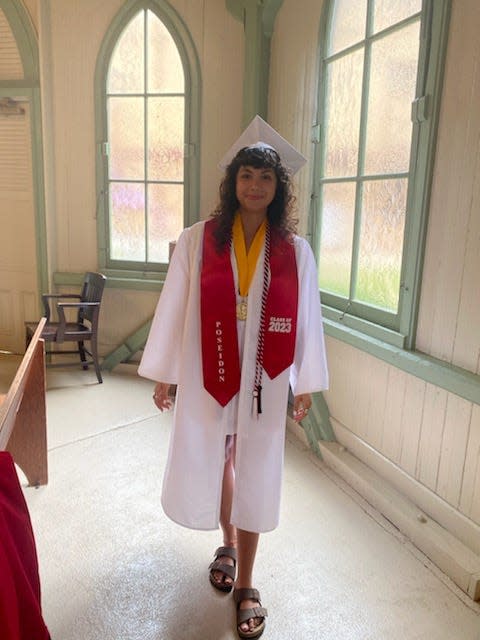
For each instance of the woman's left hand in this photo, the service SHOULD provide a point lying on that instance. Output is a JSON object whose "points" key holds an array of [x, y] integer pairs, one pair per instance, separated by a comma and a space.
{"points": [[161, 397], [301, 405]]}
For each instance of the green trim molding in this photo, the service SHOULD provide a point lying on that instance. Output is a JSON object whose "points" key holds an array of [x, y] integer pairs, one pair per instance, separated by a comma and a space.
{"points": [[258, 17], [115, 280], [442, 374], [317, 425], [135, 342]]}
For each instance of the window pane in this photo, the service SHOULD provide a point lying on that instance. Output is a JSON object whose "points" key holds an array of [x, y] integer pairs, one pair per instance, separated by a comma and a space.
{"points": [[348, 24], [388, 12], [126, 73], [392, 90], [342, 118], [337, 237], [165, 138], [165, 69], [127, 222], [381, 241], [126, 133], [165, 219]]}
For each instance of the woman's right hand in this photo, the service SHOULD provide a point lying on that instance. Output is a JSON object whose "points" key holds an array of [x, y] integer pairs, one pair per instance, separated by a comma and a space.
{"points": [[160, 396]]}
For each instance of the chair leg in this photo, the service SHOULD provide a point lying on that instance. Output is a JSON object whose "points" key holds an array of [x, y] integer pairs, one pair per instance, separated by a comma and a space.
{"points": [[95, 359], [82, 353]]}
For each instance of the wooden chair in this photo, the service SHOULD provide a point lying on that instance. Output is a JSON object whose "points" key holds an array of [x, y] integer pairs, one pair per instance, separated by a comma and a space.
{"points": [[84, 328]]}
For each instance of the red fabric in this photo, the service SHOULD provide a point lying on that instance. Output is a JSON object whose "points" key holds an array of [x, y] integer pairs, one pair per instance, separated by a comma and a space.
{"points": [[281, 308], [220, 357], [20, 609]]}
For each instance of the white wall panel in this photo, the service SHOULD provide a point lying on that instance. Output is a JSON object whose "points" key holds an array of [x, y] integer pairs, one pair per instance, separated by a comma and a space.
{"points": [[470, 495], [6, 317], [377, 378], [450, 300], [454, 447], [466, 352], [391, 443], [431, 433], [223, 52], [293, 86], [412, 423]]}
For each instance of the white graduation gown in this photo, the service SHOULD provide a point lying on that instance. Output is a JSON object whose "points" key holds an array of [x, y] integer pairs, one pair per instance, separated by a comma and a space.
{"points": [[192, 484]]}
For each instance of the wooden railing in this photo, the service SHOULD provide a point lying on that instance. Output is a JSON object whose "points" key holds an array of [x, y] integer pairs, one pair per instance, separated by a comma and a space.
{"points": [[23, 415]]}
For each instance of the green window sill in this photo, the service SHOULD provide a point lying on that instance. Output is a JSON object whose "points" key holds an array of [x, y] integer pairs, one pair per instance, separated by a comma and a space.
{"points": [[434, 371]]}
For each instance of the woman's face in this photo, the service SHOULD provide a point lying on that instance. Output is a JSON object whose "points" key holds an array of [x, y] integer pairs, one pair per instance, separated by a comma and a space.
{"points": [[255, 189]]}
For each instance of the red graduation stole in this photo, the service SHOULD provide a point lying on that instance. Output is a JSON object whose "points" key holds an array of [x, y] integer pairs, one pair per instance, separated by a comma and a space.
{"points": [[278, 325]]}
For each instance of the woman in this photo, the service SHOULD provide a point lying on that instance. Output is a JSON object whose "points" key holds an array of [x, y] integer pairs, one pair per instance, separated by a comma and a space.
{"points": [[238, 320]]}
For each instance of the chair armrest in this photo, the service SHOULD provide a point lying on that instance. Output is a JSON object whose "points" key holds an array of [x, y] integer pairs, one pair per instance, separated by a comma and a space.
{"points": [[55, 296], [77, 305]]}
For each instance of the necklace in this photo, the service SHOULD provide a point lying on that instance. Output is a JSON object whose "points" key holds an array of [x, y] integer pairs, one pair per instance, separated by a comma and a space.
{"points": [[242, 308]]}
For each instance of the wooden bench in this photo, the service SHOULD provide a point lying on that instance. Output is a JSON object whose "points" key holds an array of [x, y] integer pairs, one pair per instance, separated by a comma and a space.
{"points": [[23, 414]]}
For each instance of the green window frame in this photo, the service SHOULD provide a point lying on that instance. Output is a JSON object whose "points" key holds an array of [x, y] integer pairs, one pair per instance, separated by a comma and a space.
{"points": [[347, 311], [149, 266]]}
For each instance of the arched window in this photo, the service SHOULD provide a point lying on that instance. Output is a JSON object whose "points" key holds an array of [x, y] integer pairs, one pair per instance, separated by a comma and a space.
{"points": [[148, 150], [379, 94]]}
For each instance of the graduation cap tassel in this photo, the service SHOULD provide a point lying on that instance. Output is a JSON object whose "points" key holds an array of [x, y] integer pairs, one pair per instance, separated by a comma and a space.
{"points": [[259, 399]]}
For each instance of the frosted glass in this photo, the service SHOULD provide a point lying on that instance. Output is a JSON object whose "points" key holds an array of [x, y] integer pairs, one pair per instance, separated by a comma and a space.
{"points": [[389, 12], [127, 222], [381, 242], [126, 72], [165, 138], [342, 118], [336, 237], [126, 133], [348, 24], [165, 219], [392, 90], [165, 69]]}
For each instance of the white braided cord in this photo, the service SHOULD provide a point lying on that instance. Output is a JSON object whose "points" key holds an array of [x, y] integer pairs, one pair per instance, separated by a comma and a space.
{"points": [[257, 387]]}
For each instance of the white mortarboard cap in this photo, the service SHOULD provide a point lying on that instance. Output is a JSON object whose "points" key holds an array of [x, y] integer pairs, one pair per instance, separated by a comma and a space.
{"points": [[260, 134]]}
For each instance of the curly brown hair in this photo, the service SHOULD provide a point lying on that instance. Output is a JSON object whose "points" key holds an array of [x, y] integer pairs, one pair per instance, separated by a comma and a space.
{"points": [[280, 210]]}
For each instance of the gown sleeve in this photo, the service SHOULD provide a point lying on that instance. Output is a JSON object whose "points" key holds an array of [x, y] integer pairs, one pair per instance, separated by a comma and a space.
{"points": [[308, 372], [161, 356]]}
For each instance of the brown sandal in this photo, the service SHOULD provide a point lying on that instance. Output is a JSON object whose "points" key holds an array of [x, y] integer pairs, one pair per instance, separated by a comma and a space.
{"points": [[243, 615], [226, 569]]}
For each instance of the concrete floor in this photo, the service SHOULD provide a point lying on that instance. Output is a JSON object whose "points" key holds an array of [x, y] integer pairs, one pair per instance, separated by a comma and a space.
{"points": [[113, 567]]}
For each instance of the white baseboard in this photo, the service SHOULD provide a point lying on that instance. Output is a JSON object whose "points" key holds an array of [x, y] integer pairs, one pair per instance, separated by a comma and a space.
{"points": [[461, 527], [444, 535], [456, 560]]}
